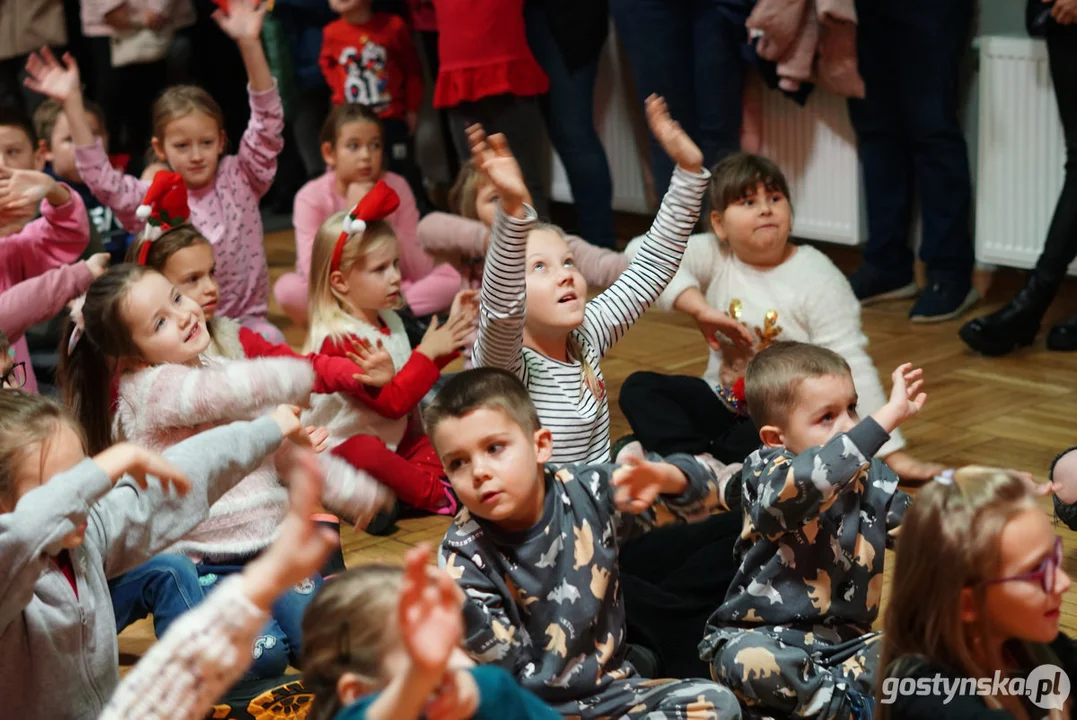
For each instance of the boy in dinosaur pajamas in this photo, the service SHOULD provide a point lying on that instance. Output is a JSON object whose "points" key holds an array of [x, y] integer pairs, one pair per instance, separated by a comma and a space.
{"points": [[535, 551], [794, 633]]}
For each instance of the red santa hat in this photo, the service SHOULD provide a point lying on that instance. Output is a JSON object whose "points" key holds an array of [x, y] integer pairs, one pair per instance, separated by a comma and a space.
{"points": [[163, 208], [378, 204]]}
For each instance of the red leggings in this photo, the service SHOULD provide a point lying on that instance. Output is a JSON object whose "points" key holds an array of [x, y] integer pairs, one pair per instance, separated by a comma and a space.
{"points": [[413, 472]]}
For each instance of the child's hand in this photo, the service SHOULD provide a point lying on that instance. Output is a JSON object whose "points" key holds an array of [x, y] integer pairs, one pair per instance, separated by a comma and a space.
{"points": [[638, 483], [440, 341], [673, 139], [904, 401], [46, 76], [494, 159], [319, 438], [456, 699], [430, 614], [910, 468], [1035, 487], [712, 321], [98, 264], [22, 189], [357, 191], [465, 304], [287, 419], [375, 362], [302, 546], [242, 20], [138, 462]]}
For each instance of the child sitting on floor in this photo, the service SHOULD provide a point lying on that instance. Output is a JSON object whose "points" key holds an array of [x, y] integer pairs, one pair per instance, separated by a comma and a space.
{"points": [[400, 657], [780, 291], [976, 593], [794, 633], [535, 550]]}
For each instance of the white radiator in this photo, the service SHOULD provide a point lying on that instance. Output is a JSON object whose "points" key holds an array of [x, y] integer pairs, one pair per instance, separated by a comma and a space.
{"points": [[1021, 152]]}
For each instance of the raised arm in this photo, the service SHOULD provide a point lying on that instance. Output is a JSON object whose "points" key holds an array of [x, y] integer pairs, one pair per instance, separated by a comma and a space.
{"points": [[123, 193], [56, 238], [452, 236]]}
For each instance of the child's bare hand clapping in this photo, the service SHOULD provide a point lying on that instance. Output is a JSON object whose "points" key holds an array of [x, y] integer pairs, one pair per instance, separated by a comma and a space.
{"points": [[445, 339], [375, 363], [712, 322], [672, 137], [494, 158]]}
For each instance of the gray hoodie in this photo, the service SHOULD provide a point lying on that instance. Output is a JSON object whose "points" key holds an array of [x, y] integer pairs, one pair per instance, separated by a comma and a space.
{"points": [[58, 653]]}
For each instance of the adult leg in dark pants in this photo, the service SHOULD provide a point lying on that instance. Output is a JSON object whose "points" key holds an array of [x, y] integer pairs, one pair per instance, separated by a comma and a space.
{"points": [[681, 414], [400, 158], [570, 120], [1018, 322], [907, 129]]}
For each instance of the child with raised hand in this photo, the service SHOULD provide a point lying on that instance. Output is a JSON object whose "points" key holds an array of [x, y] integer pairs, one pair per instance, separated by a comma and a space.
{"points": [[188, 135], [746, 286], [536, 552], [400, 657], [29, 248], [977, 588], [40, 298], [206, 651], [136, 323], [534, 318], [793, 636], [69, 522], [355, 286], [353, 150]]}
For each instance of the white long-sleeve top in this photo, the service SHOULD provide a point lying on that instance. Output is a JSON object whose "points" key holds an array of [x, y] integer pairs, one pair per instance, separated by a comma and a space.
{"points": [[579, 420], [814, 302]]}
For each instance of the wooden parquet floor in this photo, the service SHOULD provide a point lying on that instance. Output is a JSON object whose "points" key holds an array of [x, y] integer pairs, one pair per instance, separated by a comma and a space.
{"points": [[1018, 411]]}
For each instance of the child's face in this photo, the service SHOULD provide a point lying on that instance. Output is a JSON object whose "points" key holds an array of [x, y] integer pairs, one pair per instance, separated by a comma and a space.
{"points": [[192, 145], [825, 406], [61, 150], [1022, 609], [756, 227], [556, 291], [486, 203], [39, 462], [357, 155], [166, 325], [194, 273], [494, 466], [373, 282], [17, 151]]}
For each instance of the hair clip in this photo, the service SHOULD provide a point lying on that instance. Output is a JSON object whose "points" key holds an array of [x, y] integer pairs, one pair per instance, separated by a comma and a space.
{"points": [[79, 321], [946, 478]]}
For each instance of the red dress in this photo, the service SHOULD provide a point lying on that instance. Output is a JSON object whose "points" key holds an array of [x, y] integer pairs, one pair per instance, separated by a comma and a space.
{"points": [[483, 51]]}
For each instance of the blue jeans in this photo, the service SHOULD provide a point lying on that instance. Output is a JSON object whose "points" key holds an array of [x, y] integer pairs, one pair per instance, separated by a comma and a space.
{"points": [[689, 52], [166, 587], [569, 110], [907, 131], [279, 642]]}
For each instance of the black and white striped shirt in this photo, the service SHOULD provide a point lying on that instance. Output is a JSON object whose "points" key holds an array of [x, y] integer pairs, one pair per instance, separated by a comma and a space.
{"points": [[580, 422]]}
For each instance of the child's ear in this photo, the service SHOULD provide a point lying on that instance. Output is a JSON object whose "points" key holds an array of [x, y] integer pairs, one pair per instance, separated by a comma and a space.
{"points": [[222, 142], [39, 158], [158, 149], [969, 612], [771, 436], [43, 151], [327, 154], [350, 688], [543, 445], [716, 225], [338, 282]]}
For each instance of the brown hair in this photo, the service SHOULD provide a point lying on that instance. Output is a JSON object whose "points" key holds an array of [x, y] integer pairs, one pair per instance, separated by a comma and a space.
{"points": [[343, 114], [181, 100], [738, 175], [5, 344], [465, 191], [958, 526], [26, 422], [773, 377], [348, 627], [15, 118], [86, 369], [168, 244], [486, 387], [329, 310], [48, 113]]}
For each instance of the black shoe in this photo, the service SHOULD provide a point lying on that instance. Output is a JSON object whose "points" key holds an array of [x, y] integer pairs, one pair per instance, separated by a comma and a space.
{"points": [[1063, 336], [872, 286], [942, 301], [1016, 324]]}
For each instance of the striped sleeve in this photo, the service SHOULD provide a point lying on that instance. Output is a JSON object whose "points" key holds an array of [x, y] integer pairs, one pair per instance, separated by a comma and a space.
{"points": [[609, 316], [503, 297]]}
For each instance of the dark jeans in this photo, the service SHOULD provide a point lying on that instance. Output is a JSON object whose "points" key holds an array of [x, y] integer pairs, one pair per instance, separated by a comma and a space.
{"points": [[570, 121], [689, 52], [13, 93], [1061, 245], [166, 587], [907, 132], [430, 50], [400, 158], [681, 414]]}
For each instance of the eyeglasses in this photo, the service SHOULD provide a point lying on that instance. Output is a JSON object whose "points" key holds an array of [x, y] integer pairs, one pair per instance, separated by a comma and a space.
{"points": [[14, 378], [1045, 573]]}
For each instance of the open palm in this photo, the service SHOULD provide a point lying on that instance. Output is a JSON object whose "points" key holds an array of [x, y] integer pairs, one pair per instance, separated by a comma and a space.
{"points": [[46, 76], [21, 189], [494, 158], [431, 623], [243, 19], [671, 136]]}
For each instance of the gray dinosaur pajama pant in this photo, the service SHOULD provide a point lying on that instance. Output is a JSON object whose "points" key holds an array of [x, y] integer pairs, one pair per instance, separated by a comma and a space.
{"points": [[640, 699], [825, 672]]}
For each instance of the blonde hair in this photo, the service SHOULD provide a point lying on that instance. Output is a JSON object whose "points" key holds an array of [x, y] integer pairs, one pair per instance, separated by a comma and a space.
{"points": [[465, 191], [958, 526], [27, 422], [182, 100], [348, 628], [773, 377], [330, 312]]}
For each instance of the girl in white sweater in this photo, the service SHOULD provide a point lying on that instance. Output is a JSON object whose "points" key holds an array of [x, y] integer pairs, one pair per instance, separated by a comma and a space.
{"points": [[751, 272]]}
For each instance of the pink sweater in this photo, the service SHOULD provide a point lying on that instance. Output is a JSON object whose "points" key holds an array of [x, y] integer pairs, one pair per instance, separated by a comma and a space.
{"points": [[39, 299], [226, 212], [427, 287], [56, 238]]}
